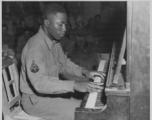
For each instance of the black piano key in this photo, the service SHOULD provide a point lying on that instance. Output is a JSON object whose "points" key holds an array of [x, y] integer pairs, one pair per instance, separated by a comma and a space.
{"points": [[98, 100], [99, 104], [99, 96]]}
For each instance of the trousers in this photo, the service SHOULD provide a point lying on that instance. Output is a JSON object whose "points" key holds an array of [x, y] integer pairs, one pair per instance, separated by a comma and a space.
{"points": [[50, 108]]}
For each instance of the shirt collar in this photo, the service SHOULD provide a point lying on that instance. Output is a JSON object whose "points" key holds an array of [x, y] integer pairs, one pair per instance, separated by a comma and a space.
{"points": [[47, 40]]}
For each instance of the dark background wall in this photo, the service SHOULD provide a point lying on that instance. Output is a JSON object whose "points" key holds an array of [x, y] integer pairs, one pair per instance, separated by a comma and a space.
{"points": [[15, 10]]}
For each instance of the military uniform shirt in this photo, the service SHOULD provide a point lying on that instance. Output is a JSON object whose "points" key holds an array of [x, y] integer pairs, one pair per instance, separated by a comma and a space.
{"points": [[42, 61]]}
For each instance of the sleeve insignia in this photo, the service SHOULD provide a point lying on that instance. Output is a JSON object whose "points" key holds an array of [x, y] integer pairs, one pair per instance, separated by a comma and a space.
{"points": [[34, 67]]}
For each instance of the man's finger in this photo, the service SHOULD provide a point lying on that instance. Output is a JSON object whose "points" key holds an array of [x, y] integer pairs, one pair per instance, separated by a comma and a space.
{"points": [[95, 86], [97, 83], [104, 74], [99, 77]]}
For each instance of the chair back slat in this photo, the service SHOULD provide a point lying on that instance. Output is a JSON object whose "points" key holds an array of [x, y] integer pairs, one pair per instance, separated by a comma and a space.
{"points": [[6, 84], [5, 102], [16, 77], [10, 87]]}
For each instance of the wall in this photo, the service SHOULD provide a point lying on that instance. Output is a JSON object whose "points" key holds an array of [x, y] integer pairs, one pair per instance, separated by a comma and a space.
{"points": [[140, 61]]}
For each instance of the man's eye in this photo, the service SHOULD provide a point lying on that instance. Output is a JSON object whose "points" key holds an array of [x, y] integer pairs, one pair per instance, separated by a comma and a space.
{"points": [[60, 24]]}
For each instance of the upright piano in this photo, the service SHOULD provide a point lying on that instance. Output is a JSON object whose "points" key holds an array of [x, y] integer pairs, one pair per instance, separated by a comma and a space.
{"points": [[126, 86]]}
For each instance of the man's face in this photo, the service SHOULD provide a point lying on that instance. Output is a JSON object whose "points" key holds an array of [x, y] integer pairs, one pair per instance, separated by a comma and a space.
{"points": [[57, 25], [4, 30], [98, 19], [91, 21], [23, 24], [27, 35]]}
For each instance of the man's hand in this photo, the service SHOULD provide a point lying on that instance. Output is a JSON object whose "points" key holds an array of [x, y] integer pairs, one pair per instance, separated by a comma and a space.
{"points": [[86, 86], [92, 74]]}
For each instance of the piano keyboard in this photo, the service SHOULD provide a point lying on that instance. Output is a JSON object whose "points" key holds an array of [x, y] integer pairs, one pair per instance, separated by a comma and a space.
{"points": [[94, 98]]}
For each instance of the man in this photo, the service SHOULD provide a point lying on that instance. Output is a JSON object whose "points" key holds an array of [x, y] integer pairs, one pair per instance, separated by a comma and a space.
{"points": [[89, 29], [22, 26], [7, 42], [6, 37], [42, 61], [21, 42]]}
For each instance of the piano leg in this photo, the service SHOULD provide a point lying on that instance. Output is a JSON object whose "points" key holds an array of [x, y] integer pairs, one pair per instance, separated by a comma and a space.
{"points": [[117, 109]]}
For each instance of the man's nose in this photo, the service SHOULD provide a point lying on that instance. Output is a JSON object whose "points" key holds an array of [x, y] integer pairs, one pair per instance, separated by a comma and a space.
{"points": [[64, 28]]}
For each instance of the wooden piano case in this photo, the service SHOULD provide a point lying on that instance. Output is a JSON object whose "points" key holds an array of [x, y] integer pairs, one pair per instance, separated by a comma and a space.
{"points": [[133, 103]]}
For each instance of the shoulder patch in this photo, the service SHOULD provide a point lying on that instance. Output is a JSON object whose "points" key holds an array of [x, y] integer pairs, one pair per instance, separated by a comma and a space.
{"points": [[34, 67]]}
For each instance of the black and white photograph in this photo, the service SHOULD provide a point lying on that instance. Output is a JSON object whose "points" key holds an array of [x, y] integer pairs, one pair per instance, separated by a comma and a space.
{"points": [[75, 60]]}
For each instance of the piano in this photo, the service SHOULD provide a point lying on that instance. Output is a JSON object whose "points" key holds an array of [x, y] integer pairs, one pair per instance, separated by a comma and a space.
{"points": [[101, 105], [126, 86]]}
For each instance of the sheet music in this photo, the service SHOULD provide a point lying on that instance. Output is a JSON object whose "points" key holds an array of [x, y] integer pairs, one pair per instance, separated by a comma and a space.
{"points": [[119, 62]]}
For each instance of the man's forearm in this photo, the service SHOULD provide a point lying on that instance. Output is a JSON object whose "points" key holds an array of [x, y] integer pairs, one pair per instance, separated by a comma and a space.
{"points": [[67, 76]]}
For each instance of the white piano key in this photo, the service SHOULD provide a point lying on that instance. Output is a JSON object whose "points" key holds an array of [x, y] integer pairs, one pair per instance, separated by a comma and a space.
{"points": [[91, 100], [101, 65], [93, 96]]}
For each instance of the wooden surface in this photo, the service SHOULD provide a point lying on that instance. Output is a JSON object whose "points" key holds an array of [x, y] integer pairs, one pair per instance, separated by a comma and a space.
{"points": [[140, 61], [117, 109]]}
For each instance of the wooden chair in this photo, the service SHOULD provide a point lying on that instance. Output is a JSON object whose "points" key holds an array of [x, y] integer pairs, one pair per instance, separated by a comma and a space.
{"points": [[10, 93]]}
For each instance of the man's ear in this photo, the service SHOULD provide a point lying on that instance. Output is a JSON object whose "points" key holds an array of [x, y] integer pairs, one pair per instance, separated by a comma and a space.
{"points": [[46, 22]]}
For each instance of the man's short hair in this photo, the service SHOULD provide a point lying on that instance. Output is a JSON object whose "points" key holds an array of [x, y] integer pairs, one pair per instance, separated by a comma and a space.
{"points": [[4, 25], [97, 15], [26, 29], [52, 8], [22, 20]]}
